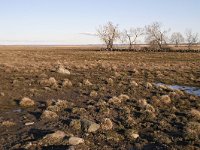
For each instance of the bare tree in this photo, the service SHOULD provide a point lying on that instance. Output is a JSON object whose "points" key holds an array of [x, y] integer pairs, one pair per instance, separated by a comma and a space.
{"points": [[108, 33], [191, 38], [131, 36], [156, 35], [177, 38]]}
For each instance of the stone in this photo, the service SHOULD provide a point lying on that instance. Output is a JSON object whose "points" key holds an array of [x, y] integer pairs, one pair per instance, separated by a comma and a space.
{"points": [[26, 102], [62, 70], [124, 97], [75, 140], [93, 94], [195, 113], [67, 83], [87, 82], [107, 124], [29, 123], [89, 126], [59, 106], [75, 124], [148, 85], [142, 102], [131, 134], [134, 83], [114, 100], [8, 123], [49, 115], [110, 81], [52, 139], [165, 99]]}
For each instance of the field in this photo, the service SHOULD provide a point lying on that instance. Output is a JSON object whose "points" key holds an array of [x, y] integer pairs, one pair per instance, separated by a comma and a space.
{"points": [[57, 97]]}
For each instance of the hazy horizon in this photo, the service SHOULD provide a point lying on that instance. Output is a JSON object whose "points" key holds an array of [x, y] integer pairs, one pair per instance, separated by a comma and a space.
{"points": [[50, 22]]}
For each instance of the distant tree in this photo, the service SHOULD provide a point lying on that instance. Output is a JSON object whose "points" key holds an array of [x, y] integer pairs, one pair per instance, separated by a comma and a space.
{"points": [[177, 38], [191, 38], [108, 33], [155, 35], [131, 36]]}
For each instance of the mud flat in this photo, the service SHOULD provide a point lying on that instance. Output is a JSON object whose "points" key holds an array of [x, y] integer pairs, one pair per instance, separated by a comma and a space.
{"points": [[59, 98]]}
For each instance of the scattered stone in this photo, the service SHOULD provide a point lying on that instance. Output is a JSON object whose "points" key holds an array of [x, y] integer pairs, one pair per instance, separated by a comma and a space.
{"points": [[143, 102], [150, 108], [49, 115], [87, 82], [93, 94], [89, 126], [75, 124], [2, 94], [114, 100], [192, 131], [51, 82], [195, 113], [165, 99], [59, 106], [75, 140], [110, 81], [124, 97], [8, 123], [29, 123], [62, 70], [26, 102], [134, 83], [52, 139], [107, 124], [67, 83], [131, 134], [148, 85]]}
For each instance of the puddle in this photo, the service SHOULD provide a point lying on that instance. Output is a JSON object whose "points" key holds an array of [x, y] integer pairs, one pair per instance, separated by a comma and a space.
{"points": [[187, 89]]}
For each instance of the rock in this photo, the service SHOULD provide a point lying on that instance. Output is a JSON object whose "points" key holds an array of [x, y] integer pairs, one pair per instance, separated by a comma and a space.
{"points": [[135, 71], [87, 82], [62, 70], [142, 102], [26, 102], [114, 100], [110, 81], [124, 97], [75, 140], [148, 85], [2, 94], [8, 123], [192, 131], [51, 82], [165, 99], [67, 83], [29, 123], [52, 139], [107, 124], [49, 115], [59, 106], [93, 94], [75, 124], [89, 126], [150, 108], [195, 113], [131, 134], [134, 83]]}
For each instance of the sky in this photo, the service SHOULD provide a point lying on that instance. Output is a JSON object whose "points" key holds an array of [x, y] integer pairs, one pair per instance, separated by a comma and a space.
{"points": [[64, 21]]}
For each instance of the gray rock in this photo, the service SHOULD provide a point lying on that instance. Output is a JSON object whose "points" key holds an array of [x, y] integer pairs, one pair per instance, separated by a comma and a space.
{"points": [[75, 140], [89, 126]]}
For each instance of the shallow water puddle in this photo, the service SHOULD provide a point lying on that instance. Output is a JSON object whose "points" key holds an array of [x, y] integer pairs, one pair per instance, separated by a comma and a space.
{"points": [[187, 89]]}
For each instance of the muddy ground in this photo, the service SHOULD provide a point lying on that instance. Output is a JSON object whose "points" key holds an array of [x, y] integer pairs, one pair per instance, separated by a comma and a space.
{"points": [[103, 100]]}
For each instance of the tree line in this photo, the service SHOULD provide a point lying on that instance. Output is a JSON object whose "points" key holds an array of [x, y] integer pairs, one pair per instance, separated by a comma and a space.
{"points": [[154, 35]]}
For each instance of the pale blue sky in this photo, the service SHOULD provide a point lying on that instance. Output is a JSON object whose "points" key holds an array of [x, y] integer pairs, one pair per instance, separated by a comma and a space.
{"points": [[62, 21]]}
